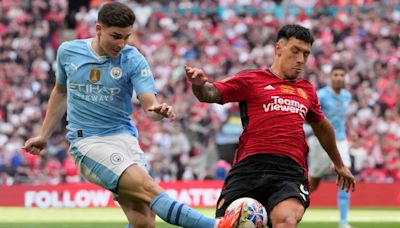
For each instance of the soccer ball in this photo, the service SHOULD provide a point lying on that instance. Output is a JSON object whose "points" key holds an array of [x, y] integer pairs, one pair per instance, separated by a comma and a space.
{"points": [[255, 213]]}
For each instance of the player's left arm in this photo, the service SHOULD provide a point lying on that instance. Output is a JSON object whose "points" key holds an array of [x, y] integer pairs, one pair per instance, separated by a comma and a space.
{"points": [[325, 133], [153, 109]]}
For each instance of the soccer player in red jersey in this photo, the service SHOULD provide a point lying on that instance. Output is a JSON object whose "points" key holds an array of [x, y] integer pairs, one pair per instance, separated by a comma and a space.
{"points": [[270, 164]]}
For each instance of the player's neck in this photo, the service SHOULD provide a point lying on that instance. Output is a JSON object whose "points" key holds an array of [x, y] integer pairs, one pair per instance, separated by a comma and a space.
{"points": [[276, 71], [96, 47], [336, 90]]}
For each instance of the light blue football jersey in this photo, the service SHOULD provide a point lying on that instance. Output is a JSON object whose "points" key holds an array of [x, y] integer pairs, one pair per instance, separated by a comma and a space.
{"points": [[100, 88], [335, 107]]}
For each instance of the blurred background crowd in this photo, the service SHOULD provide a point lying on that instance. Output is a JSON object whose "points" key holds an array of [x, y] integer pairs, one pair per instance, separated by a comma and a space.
{"points": [[223, 37]]}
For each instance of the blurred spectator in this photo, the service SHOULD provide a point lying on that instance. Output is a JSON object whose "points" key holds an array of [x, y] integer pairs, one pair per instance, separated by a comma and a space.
{"points": [[221, 169]]}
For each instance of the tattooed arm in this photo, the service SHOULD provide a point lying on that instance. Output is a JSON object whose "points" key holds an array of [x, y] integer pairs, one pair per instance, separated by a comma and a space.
{"points": [[202, 89], [207, 93]]}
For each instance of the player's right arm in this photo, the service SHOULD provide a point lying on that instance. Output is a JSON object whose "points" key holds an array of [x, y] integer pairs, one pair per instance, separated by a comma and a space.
{"points": [[325, 133], [56, 109], [202, 89], [56, 106]]}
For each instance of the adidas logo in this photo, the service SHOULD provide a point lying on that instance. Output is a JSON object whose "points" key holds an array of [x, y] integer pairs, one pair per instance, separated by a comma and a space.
{"points": [[269, 87]]}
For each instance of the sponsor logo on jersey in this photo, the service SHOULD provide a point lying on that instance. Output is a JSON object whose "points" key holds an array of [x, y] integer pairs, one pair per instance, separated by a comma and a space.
{"points": [[145, 73], [94, 75], [116, 72], [74, 66], [287, 89], [269, 87], [286, 105], [94, 92]]}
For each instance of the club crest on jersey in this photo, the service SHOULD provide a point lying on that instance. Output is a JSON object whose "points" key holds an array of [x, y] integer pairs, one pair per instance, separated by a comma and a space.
{"points": [[95, 75], [301, 92], [116, 72]]}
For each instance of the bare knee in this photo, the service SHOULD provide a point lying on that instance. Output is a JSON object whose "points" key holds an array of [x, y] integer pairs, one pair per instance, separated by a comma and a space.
{"points": [[287, 214], [135, 183], [287, 220], [143, 223], [138, 213]]}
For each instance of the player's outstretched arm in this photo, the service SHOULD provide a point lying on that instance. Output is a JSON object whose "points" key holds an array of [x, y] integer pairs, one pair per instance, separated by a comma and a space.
{"points": [[202, 89], [154, 110], [326, 136], [56, 109]]}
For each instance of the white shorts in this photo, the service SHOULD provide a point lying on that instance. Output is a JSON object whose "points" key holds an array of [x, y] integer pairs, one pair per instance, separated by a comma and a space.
{"points": [[102, 159], [318, 159]]}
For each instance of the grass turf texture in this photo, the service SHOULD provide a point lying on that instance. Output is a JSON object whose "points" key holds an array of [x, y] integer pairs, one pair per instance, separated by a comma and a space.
{"points": [[12, 217]]}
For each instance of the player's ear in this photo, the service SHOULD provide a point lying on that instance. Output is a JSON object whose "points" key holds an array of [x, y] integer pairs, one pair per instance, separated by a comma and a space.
{"points": [[279, 46], [98, 29]]}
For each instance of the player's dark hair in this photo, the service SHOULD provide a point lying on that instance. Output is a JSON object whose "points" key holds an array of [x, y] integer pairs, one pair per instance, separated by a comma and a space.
{"points": [[339, 67], [296, 31], [116, 14]]}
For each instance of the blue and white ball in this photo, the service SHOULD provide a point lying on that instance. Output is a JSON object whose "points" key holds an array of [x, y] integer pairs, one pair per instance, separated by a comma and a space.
{"points": [[255, 213]]}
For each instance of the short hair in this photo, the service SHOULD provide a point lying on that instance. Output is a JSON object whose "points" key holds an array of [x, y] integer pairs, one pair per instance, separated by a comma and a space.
{"points": [[338, 67], [116, 14], [296, 31]]}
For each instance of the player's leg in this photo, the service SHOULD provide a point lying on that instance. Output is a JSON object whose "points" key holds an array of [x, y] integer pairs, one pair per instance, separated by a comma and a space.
{"points": [[137, 212], [287, 214], [319, 162], [238, 184], [136, 183], [343, 197], [249, 178], [117, 163], [101, 160], [288, 195]]}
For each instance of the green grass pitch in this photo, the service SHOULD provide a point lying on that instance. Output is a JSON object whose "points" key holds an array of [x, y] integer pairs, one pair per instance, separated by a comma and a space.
{"points": [[11, 217]]}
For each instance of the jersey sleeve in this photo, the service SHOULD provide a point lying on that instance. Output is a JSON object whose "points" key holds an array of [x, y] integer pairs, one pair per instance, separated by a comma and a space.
{"points": [[61, 75], [314, 113], [234, 88], [142, 77]]}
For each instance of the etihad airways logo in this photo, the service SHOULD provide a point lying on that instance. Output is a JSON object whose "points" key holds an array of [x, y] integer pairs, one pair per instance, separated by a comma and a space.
{"points": [[286, 105], [93, 92]]}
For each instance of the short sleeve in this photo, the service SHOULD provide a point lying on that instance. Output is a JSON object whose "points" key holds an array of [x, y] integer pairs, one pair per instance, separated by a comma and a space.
{"points": [[234, 88], [314, 113], [61, 76], [142, 77]]}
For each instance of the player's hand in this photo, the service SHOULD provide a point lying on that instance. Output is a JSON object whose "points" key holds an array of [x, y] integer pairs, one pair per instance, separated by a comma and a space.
{"points": [[345, 180], [163, 109], [195, 75], [35, 145]]}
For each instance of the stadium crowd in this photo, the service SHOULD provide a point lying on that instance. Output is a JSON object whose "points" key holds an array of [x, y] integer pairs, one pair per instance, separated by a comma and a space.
{"points": [[223, 37]]}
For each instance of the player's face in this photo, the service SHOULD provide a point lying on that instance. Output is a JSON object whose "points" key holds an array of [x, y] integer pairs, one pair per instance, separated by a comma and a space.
{"points": [[112, 39], [293, 54], [337, 79]]}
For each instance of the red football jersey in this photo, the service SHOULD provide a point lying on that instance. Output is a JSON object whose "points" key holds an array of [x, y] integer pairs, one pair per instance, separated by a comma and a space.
{"points": [[273, 112]]}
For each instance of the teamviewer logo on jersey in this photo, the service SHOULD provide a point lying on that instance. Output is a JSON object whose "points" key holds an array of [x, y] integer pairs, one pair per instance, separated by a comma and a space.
{"points": [[286, 105]]}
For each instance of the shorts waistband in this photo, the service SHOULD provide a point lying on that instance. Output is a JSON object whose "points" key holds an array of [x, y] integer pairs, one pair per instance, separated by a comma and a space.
{"points": [[271, 158]]}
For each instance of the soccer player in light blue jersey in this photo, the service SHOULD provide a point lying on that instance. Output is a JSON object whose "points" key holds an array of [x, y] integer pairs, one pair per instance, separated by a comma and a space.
{"points": [[335, 101], [95, 83]]}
